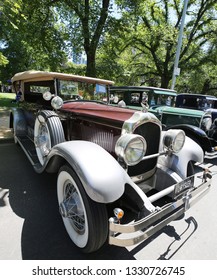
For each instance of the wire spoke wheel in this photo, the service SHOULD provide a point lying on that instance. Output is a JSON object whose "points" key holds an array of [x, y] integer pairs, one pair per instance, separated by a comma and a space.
{"points": [[85, 220]]}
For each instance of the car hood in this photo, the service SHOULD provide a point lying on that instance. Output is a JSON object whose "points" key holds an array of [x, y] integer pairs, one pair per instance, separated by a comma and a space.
{"points": [[98, 110]]}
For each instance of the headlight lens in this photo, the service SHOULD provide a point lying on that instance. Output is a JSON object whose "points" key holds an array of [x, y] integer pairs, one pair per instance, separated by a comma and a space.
{"points": [[131, 148], [47, 96], [174, 140], [206, 123]]}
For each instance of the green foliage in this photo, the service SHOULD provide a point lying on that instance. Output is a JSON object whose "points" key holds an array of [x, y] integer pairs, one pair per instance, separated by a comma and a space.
{"points": [[137, 47], [146, 39], [3, 60]]}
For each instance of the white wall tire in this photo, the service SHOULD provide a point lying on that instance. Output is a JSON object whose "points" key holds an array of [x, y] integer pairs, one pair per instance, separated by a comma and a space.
{"points": [[86, 221], [48, 132]]}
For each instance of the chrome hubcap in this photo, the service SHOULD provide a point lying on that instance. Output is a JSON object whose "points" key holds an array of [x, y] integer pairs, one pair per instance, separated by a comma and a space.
{"points": [[41, 141]]}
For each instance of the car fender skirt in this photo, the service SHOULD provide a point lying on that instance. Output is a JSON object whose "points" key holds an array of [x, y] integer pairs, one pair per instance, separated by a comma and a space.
{"points": [[101, 175]]}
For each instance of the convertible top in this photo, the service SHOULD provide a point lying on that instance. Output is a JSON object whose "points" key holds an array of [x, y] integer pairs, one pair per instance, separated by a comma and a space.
{"points": [[33, 75]]}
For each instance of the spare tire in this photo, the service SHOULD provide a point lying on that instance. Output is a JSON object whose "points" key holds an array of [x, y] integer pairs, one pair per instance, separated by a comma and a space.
{"points": [[48, 132]]}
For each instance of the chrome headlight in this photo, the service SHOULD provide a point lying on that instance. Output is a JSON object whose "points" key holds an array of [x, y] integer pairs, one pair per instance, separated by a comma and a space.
{"points": [[57, 102], [131, 148], [47, 96], [206, 123], [174, 140]]}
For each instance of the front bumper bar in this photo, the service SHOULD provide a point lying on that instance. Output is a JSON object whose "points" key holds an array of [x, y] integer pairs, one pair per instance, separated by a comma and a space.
{"points": [[210, 155], [143, 229]]}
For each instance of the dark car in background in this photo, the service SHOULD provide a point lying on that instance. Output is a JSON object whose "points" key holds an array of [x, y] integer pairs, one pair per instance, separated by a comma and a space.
{"points": [[195, 101], [120, 178]]}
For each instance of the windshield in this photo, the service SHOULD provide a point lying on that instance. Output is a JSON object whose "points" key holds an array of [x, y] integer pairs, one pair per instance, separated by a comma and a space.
{"points": [[135, 98], [70, 90], [196, 102]]}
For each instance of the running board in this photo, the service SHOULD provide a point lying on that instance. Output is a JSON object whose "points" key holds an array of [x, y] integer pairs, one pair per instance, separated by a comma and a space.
{"points": [[28, 147]]}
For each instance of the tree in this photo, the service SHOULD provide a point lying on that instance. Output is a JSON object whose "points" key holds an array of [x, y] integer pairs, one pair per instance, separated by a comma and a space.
{"points": [[8, 10], [37, 42], [55, 27], [86, 20], [150, 32]]}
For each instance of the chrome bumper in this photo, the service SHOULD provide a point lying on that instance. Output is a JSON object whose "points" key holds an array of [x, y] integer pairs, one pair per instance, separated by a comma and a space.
{"points": [[210, 155], [148, 226]]}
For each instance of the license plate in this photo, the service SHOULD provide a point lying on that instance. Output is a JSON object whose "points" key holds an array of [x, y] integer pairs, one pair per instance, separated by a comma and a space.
{"points": [[183, 186]]}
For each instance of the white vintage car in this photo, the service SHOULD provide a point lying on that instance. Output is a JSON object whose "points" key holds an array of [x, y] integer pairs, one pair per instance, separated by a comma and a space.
{"points": [[120, 177]]}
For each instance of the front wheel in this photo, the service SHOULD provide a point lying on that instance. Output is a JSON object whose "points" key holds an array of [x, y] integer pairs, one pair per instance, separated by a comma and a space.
{"points": [[85, 220]]}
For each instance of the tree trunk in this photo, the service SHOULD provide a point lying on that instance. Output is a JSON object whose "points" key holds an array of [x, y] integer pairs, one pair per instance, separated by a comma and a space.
{"points": [[91, 64], [165, 81]]}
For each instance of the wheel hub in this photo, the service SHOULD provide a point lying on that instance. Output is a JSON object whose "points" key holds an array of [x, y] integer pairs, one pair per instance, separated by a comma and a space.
{"points": [[71, 208], [63, 209]]}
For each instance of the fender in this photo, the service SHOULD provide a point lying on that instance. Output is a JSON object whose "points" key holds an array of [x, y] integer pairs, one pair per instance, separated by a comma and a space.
{"points": [[196, 134], [178, 163], [102, 176], [18, 122]]}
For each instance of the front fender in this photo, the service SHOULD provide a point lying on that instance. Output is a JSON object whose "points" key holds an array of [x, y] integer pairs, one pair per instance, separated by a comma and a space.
{"points": [[178, 163], [101, 175], [18, 122]]}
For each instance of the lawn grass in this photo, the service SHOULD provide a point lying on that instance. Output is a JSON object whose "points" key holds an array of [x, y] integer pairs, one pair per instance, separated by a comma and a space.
{"points": [[5, 100]]}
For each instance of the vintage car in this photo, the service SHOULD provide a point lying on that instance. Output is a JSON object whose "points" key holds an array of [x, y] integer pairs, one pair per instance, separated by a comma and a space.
{"points": [[195, 101], [135, 96], [120, 178], [157, 100], [195, 123], [198, 102]]}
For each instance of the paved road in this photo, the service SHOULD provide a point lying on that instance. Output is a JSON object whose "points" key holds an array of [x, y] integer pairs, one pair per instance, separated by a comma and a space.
{"points": [[31, 227]]}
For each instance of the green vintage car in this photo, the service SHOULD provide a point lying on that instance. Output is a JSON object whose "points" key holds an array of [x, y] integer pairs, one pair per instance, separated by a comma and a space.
{"points": [[135, 96], [195, 123], [161, 102]]}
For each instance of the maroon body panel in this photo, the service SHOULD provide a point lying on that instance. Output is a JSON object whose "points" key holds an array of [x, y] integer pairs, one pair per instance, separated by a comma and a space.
{"points": [[98, 110]]}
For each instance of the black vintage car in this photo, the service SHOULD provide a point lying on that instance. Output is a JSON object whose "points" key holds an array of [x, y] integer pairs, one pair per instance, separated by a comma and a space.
{"points": [[109, 160], [196, 101]]}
